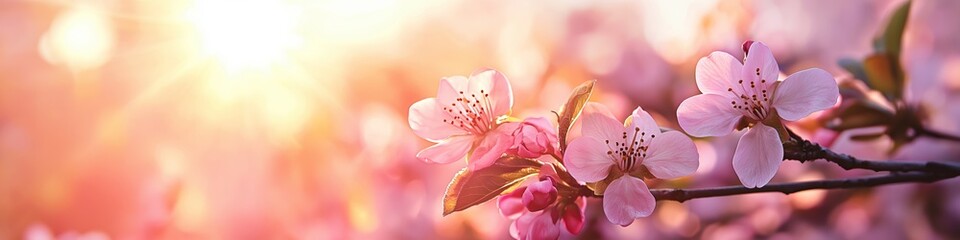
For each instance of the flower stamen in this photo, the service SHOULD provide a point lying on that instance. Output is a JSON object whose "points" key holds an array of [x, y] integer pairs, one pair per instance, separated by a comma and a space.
{"points": [[754, 101], [470, 113]]}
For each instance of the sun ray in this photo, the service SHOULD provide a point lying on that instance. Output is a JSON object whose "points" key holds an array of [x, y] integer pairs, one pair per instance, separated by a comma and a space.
{"points": [[152, 90]]}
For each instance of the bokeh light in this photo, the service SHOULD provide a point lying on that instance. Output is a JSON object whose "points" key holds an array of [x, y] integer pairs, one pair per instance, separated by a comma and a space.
{"points": [[280, 119]]}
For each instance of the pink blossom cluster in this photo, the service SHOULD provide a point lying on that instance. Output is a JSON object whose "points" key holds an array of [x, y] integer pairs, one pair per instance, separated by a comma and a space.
{"points": [[538, 212], [470, 118]]}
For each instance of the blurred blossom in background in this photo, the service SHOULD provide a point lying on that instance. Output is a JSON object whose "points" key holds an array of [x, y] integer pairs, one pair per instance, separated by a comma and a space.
{"points": [[277, 119]]}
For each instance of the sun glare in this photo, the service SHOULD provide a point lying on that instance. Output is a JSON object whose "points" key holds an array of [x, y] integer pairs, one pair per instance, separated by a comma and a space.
{"points": [[245, 33]]}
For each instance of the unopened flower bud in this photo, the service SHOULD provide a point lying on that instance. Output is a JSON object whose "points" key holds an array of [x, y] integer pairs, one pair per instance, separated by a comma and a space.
{"points": [[540, 195]]}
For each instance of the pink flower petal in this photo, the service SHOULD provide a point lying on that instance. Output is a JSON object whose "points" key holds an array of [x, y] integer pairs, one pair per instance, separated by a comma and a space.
{"points": [[447, 151], [597, 108], [761, 58], [758, 156], [450, 88], [805, 92], [707, 115], [540, 195], [573, 216], [534, 137], [641, 119], [587, 160], [426, 120], [511, 204], [544, 143], [491, 148], [672, 155], [520, 228], [627, 198], [543, 125], [718, 72], [495, 84], [542, 227], [602, 127]]}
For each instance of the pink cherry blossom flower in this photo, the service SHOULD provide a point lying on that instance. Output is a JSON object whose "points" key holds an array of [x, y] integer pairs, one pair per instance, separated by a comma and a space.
{"points": [[539, 212], [465, 116], [535, 225], [545, 223], [511, 205], [620, 155], [540, 195], [750, 93], [534, 137]]}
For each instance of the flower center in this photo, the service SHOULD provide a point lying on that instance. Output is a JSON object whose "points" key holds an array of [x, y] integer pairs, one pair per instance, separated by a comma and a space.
{"points": [[752, 99], [472, 113], [629, 153]]}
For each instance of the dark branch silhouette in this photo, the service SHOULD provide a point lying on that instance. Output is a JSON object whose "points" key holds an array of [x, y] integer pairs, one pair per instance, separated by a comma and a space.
{"points": [[923, 131], [802, 150], [681, 195]]}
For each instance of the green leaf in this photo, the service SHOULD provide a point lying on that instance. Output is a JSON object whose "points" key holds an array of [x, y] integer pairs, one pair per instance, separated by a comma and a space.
{"points": [[467, 189], [893, 35], [571, 111], [890, 43]]}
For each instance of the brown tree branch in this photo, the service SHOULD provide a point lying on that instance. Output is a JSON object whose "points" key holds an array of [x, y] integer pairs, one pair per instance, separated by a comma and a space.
{"points": [[804, 151], [799, 149], [681, 195]]}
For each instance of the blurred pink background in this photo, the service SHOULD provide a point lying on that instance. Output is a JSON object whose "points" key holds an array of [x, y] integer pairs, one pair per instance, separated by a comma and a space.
{"points": [[260, 119]]}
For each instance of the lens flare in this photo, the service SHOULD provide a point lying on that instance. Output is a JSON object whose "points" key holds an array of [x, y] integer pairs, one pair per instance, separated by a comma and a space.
{"points": [[82, 38], [245, 34]]}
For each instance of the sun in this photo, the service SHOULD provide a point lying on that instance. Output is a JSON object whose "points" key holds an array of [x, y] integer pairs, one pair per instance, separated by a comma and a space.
{"points": [[245, 33]]}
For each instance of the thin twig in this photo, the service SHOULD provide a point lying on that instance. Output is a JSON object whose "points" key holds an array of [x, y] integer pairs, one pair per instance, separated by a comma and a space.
{"points": [[803, 150], [923, 131], [681, 195]]}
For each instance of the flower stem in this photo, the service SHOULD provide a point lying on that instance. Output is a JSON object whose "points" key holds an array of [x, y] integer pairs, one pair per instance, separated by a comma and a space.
{"points": [[557, 157]]}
